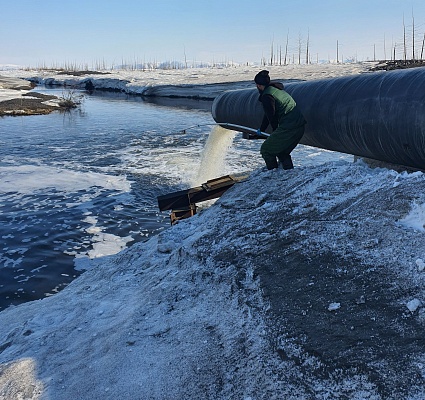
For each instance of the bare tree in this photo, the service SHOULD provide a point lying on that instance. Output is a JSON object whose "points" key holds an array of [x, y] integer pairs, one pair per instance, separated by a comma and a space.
{"points": [[385, 49], [422, 50], [299, 48], [307, 49], [271, 53], [413, 36], [337, 52], [286, 48], [404, 42]]}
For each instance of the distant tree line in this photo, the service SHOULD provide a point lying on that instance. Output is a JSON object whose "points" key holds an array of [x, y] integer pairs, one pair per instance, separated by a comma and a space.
{"points": [[408, 48]]}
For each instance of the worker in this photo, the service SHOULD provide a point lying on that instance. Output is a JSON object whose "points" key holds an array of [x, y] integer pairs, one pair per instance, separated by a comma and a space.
{"points": [[285, 118]]}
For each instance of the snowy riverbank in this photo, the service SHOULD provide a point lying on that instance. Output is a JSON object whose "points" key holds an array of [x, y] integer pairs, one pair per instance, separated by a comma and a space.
{"points": [[196, 83], [205, 83], [301, 284], [18, 99]]}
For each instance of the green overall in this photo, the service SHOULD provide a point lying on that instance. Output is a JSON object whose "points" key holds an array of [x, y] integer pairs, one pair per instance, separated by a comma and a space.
{"points": [[289, 132]]}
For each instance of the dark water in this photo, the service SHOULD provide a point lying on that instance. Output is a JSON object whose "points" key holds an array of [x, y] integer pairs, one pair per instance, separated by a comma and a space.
{"points": [[74, 186]]}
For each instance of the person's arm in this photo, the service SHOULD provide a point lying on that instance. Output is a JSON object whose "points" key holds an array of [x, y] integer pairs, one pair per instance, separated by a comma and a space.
{"points": [[270, 116], [264, 124]]}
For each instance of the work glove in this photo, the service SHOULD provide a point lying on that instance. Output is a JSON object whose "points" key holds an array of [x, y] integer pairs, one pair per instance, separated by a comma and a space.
{"points": [[259, 132]]}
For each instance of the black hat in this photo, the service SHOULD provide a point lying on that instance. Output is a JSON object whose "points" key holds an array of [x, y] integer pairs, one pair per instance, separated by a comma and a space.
{"points": [[262, 78]]}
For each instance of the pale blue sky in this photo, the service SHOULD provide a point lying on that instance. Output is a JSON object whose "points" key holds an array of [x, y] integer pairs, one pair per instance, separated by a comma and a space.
{"points": [[36, 32]]}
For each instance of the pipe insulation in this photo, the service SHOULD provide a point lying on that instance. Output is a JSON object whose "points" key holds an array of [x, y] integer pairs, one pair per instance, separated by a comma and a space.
{"points": [[379, 115]]}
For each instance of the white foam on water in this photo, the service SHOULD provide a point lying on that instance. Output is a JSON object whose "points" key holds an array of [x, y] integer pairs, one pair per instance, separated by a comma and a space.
{"points": [[26, 179], [214, 155], [104, 244]]}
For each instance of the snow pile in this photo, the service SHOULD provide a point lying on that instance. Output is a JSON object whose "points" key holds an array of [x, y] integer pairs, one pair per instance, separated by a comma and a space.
{"points": [[416, 218], [234, 303]]}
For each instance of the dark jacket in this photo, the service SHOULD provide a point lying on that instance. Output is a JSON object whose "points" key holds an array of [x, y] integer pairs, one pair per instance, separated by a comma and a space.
{"points": [[280, 109]]}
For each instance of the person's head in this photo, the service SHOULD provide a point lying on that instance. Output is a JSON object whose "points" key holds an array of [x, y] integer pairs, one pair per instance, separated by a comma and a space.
{"points": [[262, 79]]}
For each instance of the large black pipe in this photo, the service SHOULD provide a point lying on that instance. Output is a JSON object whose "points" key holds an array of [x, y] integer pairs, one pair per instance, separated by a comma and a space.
{"points": [[379, 115]]}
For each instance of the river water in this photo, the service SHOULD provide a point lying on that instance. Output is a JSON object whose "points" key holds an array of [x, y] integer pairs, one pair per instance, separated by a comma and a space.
{"points": [[82, 185]]}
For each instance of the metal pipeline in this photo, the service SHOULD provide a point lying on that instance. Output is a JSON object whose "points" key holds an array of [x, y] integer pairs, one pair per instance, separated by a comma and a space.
{"points": [[379, 115]]}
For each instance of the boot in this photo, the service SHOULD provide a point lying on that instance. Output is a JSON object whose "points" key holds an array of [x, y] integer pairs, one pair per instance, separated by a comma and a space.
{"points": [[286, 161], [271, 161]]}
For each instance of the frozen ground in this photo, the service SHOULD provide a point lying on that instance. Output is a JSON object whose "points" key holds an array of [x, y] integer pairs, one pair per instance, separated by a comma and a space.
{"points": [[302, 284]]}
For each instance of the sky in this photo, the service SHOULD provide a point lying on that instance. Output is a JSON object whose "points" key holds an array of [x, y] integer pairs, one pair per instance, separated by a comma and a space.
{"points": [[107, 32]]}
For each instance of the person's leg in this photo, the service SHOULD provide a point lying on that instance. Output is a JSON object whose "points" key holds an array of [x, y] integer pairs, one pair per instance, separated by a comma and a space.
{"points": [[280, 144], [285, 155], [268, 151], [271, 161]]}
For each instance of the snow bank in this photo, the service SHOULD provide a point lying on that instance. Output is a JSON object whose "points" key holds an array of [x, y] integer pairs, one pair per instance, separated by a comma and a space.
{"points": [[233, 303], [204, 83]]}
